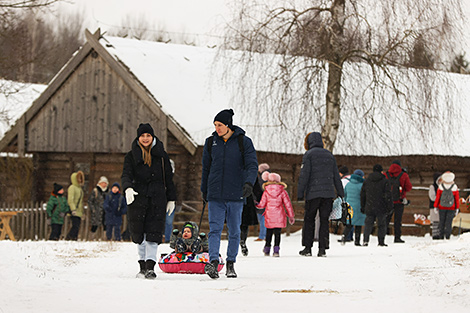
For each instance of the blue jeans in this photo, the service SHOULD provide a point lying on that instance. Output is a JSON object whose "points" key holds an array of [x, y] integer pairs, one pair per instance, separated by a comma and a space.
{"points": [[262, 227], [219, 212], [169, 225]]}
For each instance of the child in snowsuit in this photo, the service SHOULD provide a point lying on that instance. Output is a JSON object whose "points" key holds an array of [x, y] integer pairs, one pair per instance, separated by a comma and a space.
{"points": [[57, 207], [276, 202], [189, 242], [447, 201], [115, 207]]}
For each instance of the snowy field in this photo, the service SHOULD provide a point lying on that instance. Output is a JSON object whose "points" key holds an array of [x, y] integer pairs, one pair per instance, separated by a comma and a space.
{"points": [[421, 275]]}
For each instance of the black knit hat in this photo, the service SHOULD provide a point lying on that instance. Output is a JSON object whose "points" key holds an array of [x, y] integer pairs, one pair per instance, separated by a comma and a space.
{"points": [[225, 117], [145, 128], [377, 168], [57, 188], [344, 170], [397, 162]]}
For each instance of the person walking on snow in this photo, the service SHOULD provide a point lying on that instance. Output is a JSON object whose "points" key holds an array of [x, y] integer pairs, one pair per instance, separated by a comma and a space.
{"points": [[229, 169], [395, 172], [147, 181], [57, 207], [319, 178], [276, 202], [115, 207], [447, 204], [96, 202], [75, 201]]}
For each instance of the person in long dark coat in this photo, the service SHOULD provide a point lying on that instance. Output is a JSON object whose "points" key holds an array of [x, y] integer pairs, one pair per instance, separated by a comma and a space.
{"points": [[147, 181], [376, 201], [248, 218], [319, 183]]}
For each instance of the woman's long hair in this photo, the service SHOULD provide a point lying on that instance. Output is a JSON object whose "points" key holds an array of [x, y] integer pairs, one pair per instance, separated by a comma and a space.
{"points": [[146, 156]]}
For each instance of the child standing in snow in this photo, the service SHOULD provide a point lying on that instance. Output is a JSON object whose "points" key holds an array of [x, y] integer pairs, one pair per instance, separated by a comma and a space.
{"points": [[57, 207], [115, 207], [447, 201], [434, 216], [274, 200]]}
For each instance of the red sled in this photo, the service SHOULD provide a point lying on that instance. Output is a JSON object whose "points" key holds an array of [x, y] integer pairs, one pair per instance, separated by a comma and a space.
{"points": [[186, 263]]}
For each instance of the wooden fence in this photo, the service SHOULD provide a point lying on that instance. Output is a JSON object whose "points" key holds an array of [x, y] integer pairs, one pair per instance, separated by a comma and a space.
{"points": [[31, 223]]}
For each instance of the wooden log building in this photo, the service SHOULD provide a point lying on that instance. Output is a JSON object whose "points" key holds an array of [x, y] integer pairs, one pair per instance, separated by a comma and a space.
{"points": [[87, 118]]}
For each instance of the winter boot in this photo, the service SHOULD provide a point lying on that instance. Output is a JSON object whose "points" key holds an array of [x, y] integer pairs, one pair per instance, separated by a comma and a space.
{"points": [[307, 251], [276, 251], [230, 273], [244, 247], [398, 240], [211, 269], [266, 250], [365, 244], [141, 273], [321, 253], [357, 240], [343, 240], [149, 266]]}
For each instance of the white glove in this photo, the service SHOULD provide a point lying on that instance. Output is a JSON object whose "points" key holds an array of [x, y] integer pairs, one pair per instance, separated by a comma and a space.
{"points": [[170, 207], [436, 210], [130, 193], [457, 212]]}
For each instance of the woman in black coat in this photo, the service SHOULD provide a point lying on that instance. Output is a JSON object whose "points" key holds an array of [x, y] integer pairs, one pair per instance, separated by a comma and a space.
{"points": [[147, 180]]}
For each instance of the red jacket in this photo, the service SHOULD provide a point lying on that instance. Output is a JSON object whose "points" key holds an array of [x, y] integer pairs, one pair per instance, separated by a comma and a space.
{"points": [[405, 183], [274, 199], [455, 192]]}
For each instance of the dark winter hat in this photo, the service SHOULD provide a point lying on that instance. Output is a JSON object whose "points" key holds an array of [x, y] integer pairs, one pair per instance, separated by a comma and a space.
{"points": [[145, 128], [190, 226], [344, 170], [377, 168], [117, 185], [359, 172], [397, 162], [225, 117], [57, 188]]}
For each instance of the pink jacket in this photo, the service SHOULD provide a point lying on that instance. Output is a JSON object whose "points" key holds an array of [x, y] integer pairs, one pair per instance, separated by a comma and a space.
{"points": [[274, 197]]}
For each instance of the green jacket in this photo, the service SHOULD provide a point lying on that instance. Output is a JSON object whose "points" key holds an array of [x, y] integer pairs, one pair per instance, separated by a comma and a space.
{"points": [[75, 193], [57, 207]]}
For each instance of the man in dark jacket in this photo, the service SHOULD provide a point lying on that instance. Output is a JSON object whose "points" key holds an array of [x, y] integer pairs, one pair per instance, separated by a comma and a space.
{"points": [[319, 178], [395, 172], [229, 169], [376, 201]]}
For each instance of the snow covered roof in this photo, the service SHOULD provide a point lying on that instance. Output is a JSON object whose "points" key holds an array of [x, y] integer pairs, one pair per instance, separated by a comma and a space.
{"points": [[15, 99], [192, 88]]}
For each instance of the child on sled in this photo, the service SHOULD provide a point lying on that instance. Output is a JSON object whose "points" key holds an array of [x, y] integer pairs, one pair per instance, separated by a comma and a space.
{"points": [[274, 200], [189, 241]]}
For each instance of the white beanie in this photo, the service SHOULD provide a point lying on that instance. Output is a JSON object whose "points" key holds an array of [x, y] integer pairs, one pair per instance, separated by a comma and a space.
{"points": [[448, 177], [103, 179]]}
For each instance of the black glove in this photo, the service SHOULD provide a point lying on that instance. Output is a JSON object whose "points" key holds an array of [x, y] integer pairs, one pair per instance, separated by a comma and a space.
{"points": [[204, 197], [247, 190]]}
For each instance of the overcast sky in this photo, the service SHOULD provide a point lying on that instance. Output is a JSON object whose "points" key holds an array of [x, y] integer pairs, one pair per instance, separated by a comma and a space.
{"points": [[175, 16]]}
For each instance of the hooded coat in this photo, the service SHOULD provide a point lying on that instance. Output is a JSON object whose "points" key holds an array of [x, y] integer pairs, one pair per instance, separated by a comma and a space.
{"points": [[57, 207], [376, 195], [188, 242], [226, 170], [405, 183], [319, 176], [95, 203], [115, 207], [352, 195], [154, 185], [274, 200], [75, 193]]}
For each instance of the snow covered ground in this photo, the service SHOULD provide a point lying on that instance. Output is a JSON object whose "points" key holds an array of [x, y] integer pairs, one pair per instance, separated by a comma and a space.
{"points": [[421, 275]]}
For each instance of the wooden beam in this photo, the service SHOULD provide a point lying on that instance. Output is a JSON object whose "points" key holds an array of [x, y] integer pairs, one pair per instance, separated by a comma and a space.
{"points": [[21, 136]]}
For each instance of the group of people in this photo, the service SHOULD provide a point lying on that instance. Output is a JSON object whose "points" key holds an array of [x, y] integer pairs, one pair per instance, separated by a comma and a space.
{"points": [[234, 186], [106, 206]]}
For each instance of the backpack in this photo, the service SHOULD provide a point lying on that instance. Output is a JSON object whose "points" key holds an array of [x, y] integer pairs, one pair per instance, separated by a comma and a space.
{"points": [[395, 185], [447, 197]]}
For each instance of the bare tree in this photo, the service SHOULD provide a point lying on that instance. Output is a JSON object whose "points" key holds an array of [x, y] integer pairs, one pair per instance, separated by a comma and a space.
{"points": [[340, 59]]}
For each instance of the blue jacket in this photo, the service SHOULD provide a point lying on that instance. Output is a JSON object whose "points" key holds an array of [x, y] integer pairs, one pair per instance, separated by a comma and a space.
{"points": [[223, 174], [115, 207], [319, 176], [352, 195]]}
